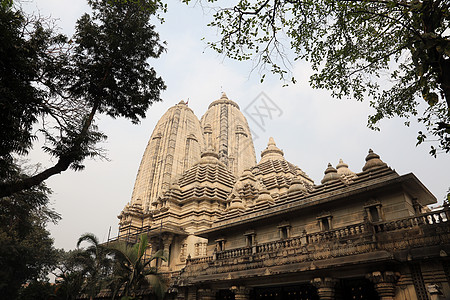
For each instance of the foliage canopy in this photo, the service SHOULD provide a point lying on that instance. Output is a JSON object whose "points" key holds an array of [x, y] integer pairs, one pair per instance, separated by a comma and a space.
{"points": [[64, 83], [26, 248], [390, 51]]}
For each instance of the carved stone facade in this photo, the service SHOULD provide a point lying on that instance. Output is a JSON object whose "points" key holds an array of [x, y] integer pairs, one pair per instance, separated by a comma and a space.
{"points": [[236, 229]]}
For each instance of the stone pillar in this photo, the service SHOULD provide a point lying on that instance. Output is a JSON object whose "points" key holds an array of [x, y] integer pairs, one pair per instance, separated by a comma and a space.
{"points": [[206, 294], [154, 247], [379, 212], [192, 293], [167, 240], [385, 283], [303, 238], [241, 292], [325, 287], [181, 294], [330, 225]]}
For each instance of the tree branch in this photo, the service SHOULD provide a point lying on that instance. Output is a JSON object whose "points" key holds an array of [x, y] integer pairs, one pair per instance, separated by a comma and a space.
{"points": [[7, 189]]}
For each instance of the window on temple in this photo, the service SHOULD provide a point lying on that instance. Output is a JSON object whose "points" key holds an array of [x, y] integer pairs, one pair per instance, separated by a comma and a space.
{"points": [[197, 249], [374, 215], [325, 224], [250, 238], [183, 252], [284, 233], [324, 220], [220, 245], [373, 210], [201, 248], [284, 230]]}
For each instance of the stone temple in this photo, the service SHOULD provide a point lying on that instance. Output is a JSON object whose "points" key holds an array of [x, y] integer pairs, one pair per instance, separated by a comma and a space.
{"points": [[233, 227]]}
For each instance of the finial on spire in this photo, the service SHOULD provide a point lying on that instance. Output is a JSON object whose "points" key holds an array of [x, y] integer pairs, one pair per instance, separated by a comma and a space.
{"points": [[224, 96], [271, 142], [272, 150]]}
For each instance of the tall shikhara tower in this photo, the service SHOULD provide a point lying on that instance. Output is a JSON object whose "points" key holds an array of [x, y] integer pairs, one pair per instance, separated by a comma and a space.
{"points": [[176, 144], [226, 130]]}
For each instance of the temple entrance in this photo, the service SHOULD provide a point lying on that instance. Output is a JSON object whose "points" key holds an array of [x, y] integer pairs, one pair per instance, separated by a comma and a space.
{"points": [[356, 288], [294, 292], [225, 295]]}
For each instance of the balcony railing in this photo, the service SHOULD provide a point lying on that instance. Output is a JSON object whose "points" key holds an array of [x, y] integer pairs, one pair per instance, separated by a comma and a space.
{"points": [[346, 232], [234, 253], [353, 232], [430, 218]]}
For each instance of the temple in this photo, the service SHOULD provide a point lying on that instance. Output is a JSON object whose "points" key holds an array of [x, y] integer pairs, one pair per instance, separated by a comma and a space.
{"points": [[235, 228]]}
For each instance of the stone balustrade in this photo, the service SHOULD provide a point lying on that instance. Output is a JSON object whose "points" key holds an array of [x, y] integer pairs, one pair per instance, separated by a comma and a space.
{"points": [[200, 260], [278, 245], [351, 232], [234, 253], [430, 218], [346, 232]]}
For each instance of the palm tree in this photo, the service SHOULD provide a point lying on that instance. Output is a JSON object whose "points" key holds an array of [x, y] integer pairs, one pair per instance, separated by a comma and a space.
{"points": [[132, 271], [96, 263]]}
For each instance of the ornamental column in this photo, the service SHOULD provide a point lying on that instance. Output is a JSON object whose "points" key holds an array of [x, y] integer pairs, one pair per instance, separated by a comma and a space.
{"points": [[241, 292], [325, 287], [206, 294], [154, 246], [385, 283], [167, 240]]}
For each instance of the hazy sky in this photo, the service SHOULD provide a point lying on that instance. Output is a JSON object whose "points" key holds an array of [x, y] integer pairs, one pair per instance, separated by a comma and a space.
{"points": [[311, 127]]}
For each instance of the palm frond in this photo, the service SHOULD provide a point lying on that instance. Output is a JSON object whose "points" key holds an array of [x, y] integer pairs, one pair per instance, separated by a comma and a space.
{"points": [[88, 237], [157, 285]]}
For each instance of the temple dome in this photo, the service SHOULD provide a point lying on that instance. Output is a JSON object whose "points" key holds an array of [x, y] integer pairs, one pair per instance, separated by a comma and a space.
{"points": [[331, 174], [174, 146], [275, 172], [373, 161], [246, 190], [297, 186], [210, 157], [226, 130], [207, 179], [342, 169], [264, 197]]}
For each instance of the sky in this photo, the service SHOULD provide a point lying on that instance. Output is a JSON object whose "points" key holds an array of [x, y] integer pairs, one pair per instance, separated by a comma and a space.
{"points": [[311, 128]]}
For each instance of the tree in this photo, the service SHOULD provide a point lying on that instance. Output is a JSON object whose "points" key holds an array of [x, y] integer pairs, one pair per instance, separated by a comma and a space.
{"points": [[70, 275], [26, 248], [351, 45], [132, 272], [65, 83], [37, 290], [95, 264]]}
